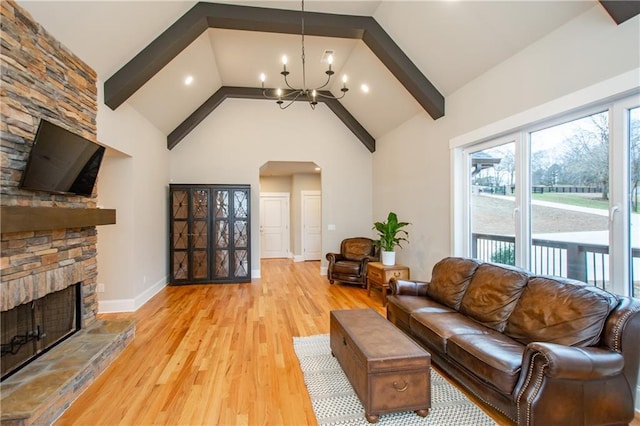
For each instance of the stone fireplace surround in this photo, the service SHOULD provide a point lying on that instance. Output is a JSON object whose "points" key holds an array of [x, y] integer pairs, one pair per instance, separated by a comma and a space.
{"points": [[41, 78]]}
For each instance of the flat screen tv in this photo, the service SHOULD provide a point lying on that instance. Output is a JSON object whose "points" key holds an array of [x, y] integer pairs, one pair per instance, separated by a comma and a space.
{"points": [[62, 162]]}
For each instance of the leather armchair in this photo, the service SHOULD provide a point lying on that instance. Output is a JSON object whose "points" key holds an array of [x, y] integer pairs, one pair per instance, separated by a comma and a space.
{"points": [[350, 265]]}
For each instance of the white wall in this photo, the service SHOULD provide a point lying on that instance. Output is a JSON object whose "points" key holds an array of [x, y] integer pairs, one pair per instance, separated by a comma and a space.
{"points": [[275, 184], [412, 170], [133, 253], [231, 144]]}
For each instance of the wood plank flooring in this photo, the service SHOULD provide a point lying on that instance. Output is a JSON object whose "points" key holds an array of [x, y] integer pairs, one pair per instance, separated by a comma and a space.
{"points": [[220, 354]]}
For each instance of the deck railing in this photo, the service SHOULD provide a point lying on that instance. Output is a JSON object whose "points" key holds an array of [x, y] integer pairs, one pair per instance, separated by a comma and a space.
{"points": [[584, 262]]}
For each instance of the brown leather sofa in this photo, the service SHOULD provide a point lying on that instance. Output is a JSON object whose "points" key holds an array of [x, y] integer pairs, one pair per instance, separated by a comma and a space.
{"points": [[541, 350], [350, 265]]}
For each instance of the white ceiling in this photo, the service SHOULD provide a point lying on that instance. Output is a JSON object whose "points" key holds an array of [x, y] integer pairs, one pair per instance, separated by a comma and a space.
{"points": [[451, 42]]}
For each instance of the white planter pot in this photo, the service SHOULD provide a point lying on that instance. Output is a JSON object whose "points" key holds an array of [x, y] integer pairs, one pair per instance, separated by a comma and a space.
{"points": [[388, 257]]}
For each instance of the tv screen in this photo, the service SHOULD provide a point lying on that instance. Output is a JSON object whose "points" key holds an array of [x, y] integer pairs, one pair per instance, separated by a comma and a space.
{"points": [[62, 162]]}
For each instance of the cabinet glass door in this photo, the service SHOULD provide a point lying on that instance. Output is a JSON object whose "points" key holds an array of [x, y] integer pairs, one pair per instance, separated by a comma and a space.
{"points": [[200, 234], [231, 243], [221, 243], [180, 234], [241, 233]]}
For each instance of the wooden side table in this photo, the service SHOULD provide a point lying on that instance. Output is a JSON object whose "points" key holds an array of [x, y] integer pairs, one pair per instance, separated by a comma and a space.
{"points": [[378, 275]]}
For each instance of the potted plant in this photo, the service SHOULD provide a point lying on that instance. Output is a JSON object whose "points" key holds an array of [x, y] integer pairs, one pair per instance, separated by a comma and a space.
{"points": [[390, 235]]}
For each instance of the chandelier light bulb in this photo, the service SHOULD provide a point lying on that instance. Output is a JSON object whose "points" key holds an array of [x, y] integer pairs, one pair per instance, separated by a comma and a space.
{"points": [[344, 79], [290, 94]]}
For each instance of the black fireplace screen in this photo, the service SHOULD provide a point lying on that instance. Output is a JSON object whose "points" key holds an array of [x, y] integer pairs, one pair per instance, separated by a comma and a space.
{"points": [[29, 330]]}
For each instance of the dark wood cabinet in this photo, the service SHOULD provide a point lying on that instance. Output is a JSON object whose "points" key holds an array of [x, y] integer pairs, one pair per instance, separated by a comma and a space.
{"points": [[210, 229]]}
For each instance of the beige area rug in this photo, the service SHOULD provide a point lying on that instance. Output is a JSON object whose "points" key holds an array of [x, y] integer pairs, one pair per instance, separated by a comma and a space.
{"points": [[335, 402]]}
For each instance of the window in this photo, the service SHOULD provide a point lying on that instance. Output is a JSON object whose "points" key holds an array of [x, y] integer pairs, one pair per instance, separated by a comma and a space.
{"points": [[492, 203], [633, 135], [559, 198], [569, 168]]}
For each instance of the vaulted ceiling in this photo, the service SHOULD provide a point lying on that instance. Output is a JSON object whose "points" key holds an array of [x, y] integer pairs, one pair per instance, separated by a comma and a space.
{"points": [[449, 43]]}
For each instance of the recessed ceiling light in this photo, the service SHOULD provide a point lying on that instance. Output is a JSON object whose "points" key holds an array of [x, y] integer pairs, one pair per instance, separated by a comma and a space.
{"points": [[188, 80], [364, 88]]}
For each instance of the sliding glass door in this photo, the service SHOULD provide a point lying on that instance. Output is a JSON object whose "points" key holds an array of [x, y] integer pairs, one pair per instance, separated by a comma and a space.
{"points": [[560, 198], [569, 208], [633, 140], [492, 203]]}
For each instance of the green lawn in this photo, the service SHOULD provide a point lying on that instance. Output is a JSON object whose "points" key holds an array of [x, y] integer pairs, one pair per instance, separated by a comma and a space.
{"points": [[593, 201]]}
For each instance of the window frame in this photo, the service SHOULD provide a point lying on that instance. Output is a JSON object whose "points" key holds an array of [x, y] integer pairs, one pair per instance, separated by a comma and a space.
{"points": [[620, 258]]}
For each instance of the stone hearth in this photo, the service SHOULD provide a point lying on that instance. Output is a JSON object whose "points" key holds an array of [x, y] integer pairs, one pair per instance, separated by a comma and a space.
{"points": [[39, 393]]}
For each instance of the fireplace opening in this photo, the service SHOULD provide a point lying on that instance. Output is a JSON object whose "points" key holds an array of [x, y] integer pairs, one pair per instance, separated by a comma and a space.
{"points": [[31, 329]]}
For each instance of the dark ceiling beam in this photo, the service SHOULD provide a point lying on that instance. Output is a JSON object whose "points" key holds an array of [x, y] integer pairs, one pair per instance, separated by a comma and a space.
{"points": [[126, 81], [225, 92], [621, 10], [350, 121]]}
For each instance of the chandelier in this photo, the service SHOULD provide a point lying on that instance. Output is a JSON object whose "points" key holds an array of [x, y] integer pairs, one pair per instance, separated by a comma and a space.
{"points": [[284, 98]]}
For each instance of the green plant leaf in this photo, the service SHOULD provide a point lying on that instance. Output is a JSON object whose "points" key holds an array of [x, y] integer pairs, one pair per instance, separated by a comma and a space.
{"points": [[390, 232]]}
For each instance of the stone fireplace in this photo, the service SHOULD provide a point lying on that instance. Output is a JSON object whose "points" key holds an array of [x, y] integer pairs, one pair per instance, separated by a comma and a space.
{"points": [[40, 78]]}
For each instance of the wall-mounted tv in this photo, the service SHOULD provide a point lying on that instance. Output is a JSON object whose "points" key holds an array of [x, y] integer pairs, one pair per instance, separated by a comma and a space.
{"points": [[62, 162]]}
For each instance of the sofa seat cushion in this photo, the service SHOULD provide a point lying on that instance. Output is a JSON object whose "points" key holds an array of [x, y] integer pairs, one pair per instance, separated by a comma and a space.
{"points": [[348, 267], [493, 293], [561, 311], [434, 330], [493, 357], [400, 308], [450, 279]]}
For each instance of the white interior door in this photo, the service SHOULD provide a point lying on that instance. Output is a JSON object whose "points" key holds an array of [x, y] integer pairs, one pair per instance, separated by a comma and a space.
{"points": [[274, 225], [311, 225]]}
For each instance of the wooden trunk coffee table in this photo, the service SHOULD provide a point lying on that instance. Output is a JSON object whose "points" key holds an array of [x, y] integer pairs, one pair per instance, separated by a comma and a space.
{"points": [[388, 371]]}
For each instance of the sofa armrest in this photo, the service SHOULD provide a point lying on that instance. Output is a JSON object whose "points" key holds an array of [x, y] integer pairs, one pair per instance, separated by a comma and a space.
{"points": [[573, 363], [558, 382], [334, 257], [411, 288]]}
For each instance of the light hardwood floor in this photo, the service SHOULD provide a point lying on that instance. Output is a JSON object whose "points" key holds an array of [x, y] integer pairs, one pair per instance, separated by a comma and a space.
{"points": [[220, 354]]}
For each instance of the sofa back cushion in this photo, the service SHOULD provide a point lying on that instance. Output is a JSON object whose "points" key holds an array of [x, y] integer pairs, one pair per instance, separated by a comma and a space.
{"points": [[450, 279], [562, 311], [492, 294]]}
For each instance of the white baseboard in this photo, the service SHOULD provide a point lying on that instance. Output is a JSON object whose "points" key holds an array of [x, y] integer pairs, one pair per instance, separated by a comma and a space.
{"points": [[298, 258], [131, 305], [323, 270], [116, 305], [255, 273]]}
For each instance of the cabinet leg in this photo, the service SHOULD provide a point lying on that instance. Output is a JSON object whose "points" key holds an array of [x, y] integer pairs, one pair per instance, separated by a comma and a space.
{"points": [[422, 413], [372, 418]]}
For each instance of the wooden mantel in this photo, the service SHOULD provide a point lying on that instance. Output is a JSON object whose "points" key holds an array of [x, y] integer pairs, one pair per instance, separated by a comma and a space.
{"points": [[20, 219]]}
